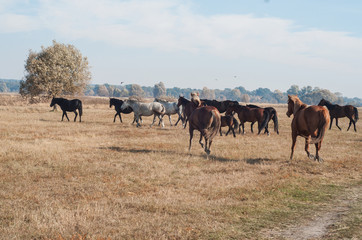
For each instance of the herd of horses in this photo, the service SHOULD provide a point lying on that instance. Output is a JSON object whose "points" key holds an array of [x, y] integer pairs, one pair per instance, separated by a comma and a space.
{"points": [[309, 122]]}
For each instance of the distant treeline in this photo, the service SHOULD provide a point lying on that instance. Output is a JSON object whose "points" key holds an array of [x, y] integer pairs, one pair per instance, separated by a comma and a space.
{"points": [[307, 94]]}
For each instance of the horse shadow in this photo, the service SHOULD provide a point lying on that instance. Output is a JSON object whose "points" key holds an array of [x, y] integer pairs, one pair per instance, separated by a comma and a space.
{"points": [[256, 161]]}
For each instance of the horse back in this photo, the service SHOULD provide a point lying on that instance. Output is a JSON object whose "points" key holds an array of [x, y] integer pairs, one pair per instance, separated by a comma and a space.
{"points": [[307, 121], [204, 117]]}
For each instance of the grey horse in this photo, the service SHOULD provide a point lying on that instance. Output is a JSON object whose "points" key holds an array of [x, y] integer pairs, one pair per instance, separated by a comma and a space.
{"points": [[145, 109], [171, 108]]}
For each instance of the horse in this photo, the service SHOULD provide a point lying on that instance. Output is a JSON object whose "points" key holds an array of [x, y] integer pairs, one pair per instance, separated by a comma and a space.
{"points": [[187, 108], [69, 106], [207, 120], [171, 108], [270, 114], [246, 114], [229, 121], [336, 111], [221, 106], [117, 106], [145, 109], [308, 122]]}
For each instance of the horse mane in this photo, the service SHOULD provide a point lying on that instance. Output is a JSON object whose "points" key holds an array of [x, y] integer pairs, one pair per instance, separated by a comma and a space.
{"points": [[298, 104]]}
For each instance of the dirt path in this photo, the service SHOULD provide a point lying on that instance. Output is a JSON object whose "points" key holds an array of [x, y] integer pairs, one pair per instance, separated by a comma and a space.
{"points": [[317, 226]]}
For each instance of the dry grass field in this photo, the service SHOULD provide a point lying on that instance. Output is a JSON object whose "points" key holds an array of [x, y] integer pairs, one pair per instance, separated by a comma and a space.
{"points": [[103, 180]]}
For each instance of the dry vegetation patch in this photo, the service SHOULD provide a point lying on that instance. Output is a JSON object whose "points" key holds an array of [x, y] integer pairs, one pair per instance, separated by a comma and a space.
{"points": [[98, 179]]}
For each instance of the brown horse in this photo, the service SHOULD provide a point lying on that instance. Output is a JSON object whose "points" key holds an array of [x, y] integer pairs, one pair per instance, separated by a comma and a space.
{"points": [[336, 111], [270, 114], [207, 121], [229, 121], [308, 122], [246, 114]]}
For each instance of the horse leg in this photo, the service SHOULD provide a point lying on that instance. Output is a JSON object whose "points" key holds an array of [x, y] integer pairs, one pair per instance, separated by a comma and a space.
{"points": [[330, 125], [207, 150], [294, 139], [161, 120], [76, 114], [63, 116], [66, 115], [307, 148], [137, 117], [232, 129], [200, 141], [252, 127], [337, 124], [154, 119], [228, 131], [169, 118], [191, 136], [317, 148], [120, 118], [242, 124], [115, 115], [220, 132], [354, 125]]}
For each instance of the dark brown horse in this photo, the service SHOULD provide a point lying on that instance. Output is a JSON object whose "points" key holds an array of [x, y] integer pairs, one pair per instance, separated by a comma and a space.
{"points": [[336, 111], [229, 121], [308, 122], [187, 108], [221, 106], [269, 114], [207, 121], [246, 114]]}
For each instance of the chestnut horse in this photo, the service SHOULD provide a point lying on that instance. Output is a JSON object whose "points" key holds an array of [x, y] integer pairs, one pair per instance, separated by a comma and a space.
{"points": [[246, 114], [308, 122], [336, 111], [207, 121]]}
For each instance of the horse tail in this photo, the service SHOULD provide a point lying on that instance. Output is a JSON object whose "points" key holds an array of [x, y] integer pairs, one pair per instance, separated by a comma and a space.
{"points": [[163, 111], [236, 123], [80, 109], [323, 124], [355, 114], [275, 120], [266, 118], [214, 127]]}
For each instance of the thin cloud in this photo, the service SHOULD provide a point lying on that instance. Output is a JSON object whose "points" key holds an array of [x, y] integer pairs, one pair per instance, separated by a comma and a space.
{"points": [[173, 26]]}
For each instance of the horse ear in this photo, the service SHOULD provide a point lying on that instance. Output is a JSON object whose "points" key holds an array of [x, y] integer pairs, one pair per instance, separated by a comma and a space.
{"points": [[289, 96]]}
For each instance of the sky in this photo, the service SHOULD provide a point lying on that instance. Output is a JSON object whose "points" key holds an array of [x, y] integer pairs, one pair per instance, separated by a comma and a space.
{"points": [[195, 43]]}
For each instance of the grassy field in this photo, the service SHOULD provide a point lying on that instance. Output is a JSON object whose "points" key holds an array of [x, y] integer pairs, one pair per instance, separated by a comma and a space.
{"points": [[103, 180]]}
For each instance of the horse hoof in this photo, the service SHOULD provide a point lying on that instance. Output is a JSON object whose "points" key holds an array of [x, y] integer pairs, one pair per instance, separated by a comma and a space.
{"points": [[311, 156], [207, 152]]}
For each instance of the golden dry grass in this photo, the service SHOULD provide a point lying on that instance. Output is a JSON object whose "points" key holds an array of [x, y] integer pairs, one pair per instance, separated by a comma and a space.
{"points": [[103, 180]]}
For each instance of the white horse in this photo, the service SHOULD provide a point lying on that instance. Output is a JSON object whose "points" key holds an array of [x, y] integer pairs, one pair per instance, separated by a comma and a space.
{"points": [[145, 109], [171, 108]]}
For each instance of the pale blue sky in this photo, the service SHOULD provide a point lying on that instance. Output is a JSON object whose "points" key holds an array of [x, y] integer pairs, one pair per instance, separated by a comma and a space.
{"points": [[185, 43]]}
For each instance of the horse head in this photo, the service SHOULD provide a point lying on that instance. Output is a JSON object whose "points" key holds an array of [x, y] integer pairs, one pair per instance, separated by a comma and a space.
{"points": [[323, 102], [294, 105], [181, 101], [53, 102], [111, 102]]}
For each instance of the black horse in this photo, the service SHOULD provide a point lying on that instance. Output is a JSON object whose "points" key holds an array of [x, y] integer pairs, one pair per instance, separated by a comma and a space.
{"points": [[117, 106], [269, 114], [69, 106], [336, 111]]}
